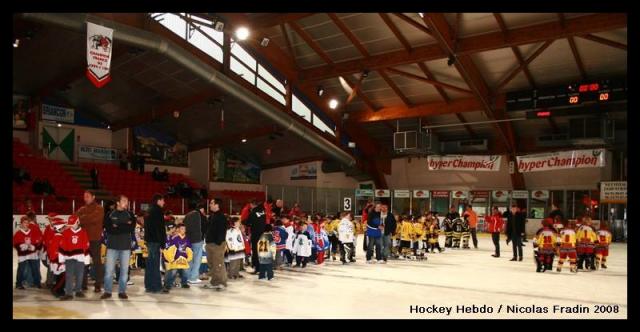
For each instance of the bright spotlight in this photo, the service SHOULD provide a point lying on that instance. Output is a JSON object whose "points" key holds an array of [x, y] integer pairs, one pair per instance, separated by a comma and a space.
{"points": [[333, 104], [242, 33]]}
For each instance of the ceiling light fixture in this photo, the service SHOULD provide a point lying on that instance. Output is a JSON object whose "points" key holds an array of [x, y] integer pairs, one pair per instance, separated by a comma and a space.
{"points": [[264, 42], [333, 104], [59, 125], [244, 140], [16, 43], [320, 91], [242, 33], [421, 15]]}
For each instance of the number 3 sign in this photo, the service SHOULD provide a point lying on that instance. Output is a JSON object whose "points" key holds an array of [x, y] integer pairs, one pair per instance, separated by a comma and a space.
{"points": [[347, 204]]}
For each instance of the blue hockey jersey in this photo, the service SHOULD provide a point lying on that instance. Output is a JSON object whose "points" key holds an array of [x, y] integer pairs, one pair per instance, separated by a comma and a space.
{"points": [[280, 237]]}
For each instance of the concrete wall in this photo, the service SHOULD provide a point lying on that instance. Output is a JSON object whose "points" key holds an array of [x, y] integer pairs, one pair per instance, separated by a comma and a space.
{"points": [[120, 139], [282, 176], [199, 166]]}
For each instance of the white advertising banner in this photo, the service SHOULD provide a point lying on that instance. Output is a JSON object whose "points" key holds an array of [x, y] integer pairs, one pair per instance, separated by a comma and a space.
{"points": [[57, 113], [540, 194], [421, 193], [94, 152], [499, 196], [383, 193], [614, 192], [99, 47], [459, 194], [464, 163], [401, 193], [561, 160], [519, 194]]}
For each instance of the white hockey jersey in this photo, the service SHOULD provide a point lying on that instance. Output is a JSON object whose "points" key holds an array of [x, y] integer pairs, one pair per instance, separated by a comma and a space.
{"points": [[302, 245], [290, 238], [345, 231]]}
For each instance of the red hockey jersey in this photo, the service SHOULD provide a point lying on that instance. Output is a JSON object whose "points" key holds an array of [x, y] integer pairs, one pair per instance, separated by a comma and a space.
{"points": [[52, 254], [74, 245], [27, 243]]}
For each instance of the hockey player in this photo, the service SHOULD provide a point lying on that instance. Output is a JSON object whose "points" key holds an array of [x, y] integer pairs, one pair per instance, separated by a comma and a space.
{"points": [[57, 267], [46, 238], [27, 241], [332, 231], [434, 233], [177, 255], [346, 234], [546, 241], [302, 245], [567, 243], [466, 233], [266, 254], [280, 236], [557, 223], [235, 245], [288, 249], [603, 239], [74, 253], [586, 238], [448, 232], [457, 232], [406, 236]]}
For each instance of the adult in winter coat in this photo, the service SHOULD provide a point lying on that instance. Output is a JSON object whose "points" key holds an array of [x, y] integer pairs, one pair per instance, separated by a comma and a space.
{"points": [[494, 226], [515, 230], [155, 237]]}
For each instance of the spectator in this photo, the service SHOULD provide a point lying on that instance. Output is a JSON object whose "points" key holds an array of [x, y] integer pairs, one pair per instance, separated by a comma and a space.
{"points": [[216, 246], [389, 224], [515, 230], [374, 234], [26, 206], [141, 164], [164, 176], [92, 218], [277, 208], [155, 174], [120, 226], [48, 188], [472, 218], [94, 178], [37, 187], [123, 161], [154, 237], [195, 235], [494, 226]]}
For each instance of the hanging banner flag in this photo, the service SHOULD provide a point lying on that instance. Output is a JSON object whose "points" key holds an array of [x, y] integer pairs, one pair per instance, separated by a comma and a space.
{"points": [[421, 193], [561, 160], [440, 194], [464, 163], [542, 195], [499, 196], [383, 193], [401, 194], [519, 194], [99, 47], [614, 192]]}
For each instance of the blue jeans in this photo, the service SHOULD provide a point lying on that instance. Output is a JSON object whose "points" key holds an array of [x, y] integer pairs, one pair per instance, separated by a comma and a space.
{"points": [[28, 270], [377, 243], [170, 277], [386, 246], [152, 279], [110, 265], [193, 272], [266, 269], [74, 273]]}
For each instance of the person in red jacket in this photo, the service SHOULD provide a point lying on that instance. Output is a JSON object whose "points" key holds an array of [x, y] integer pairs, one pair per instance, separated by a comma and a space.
{"points": [[494, 226], [57, 268], [74, 253], [27, 242]]}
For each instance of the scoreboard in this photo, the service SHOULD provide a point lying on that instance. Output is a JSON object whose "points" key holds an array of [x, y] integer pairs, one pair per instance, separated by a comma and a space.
{"points": [[576, 94]]}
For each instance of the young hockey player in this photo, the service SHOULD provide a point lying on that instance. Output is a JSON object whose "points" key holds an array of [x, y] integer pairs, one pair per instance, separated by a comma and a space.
{"points": [[56, 267], [346, 235], [288, 248], [567, 243], [302, 245], [235, 244], [466, 233], [280, 237], [457, 232], [418, 237], [586, 238], [46, 238], [74, 253], [434, 233], [266, 254], [332, 231], [177, 255], [27, 241], [406, 236], [448, 232], [603, 239], [545, 241]]}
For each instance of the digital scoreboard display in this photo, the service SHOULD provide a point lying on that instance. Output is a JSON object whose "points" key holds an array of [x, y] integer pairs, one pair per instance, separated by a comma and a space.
{"points": [[597, 92]]}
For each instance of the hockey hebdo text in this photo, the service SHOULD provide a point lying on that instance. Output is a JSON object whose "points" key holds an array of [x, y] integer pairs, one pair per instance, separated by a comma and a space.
{"points": [[515, 309]]}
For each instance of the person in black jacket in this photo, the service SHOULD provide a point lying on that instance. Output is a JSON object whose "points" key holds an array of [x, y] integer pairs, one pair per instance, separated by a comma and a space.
{"points": [[155, 237], [389, 223], [515, 230], [94, 178], [119, 225], [256, 221], [195, 233], [216, 246]]}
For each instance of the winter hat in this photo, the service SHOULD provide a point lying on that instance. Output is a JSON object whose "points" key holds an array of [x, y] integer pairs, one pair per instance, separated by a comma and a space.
{"points": [[58, 224], [73, 219]]}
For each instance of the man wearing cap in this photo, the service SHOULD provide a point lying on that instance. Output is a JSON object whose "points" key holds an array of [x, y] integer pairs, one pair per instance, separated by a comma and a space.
{"points": [[92, 218]]}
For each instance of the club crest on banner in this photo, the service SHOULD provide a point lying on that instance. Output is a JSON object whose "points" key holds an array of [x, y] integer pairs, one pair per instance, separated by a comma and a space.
{"points": [[99, 50]]}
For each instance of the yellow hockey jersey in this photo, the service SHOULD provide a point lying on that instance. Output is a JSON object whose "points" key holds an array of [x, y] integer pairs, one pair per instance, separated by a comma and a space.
{"points": [[567, 238], [586, 235], [419, 231], [603, 238], [406, 231], [546, 240]]}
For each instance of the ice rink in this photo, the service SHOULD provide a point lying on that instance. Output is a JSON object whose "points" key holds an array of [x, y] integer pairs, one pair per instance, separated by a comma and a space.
{"points": [[452, 279]]}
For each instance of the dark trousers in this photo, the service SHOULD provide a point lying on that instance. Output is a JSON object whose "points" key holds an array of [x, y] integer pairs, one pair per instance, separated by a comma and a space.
{"points": [[152, 278], [517, 245], [474, 238], [496, 242], [31, 266], [59, 282], [254, 252], [377, 243], [96, 265], [94, 183], [365, 245], [74, 270], [288, 257], [266, 269], [334, 244], [303, 260], [347, 251]]}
